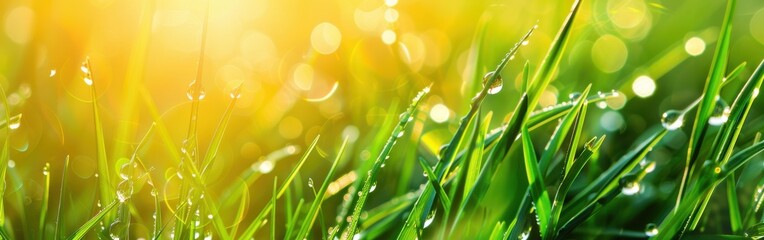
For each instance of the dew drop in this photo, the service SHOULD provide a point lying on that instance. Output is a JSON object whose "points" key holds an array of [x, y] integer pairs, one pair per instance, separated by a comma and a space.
{"points": [[720, 113], [574, 96], [15, 123], [602, 105], [84, 68], [373, 187], [495, 86], [400, 134], [88, 81], [629, 185], [648, 166], [651, 230], [672, 119], [52, 73], [430, 218], [265, 166], [424, 173], [195, 92], [236, 93], [124, 171], [310, 182], [442, 150], [525, 43]]}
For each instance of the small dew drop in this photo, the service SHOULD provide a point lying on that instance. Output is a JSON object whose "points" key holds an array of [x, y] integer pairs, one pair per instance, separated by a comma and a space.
{"points": [[651, 230], [265, 166], [195, 92], [629, 185], [84, 68], [52, 73], [602, 105], [430, 218], [15, 123], [525, 43], [672, 119], [424, 173], [574, 96], [648, 166], [236, 93], [373, 187], [720, 113], [88, 81], [310, 182], [495, 86]]}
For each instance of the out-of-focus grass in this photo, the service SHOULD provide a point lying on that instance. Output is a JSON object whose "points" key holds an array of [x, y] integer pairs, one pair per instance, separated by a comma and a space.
{"points": [[185, 113]]}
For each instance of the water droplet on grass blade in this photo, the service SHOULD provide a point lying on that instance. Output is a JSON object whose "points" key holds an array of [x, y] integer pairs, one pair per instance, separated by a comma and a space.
{"points": [[495, 86], [195, 92], [720, 113], [651, 230], [15, 123], [88, 81], [310, 182], [629, 185], [373, 187], [672, 119], [574, 96], [236, 93], [430, 218]]}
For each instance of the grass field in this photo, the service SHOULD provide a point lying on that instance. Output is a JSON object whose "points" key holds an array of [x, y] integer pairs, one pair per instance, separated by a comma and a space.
{"points": [[361, 119]]}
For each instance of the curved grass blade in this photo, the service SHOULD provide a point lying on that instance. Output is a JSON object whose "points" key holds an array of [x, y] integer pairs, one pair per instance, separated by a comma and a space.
{"points": [[425, 201], [711, 174], [346, 207], [256, 223], [536, 181], [307, 224], [80, 233], [436, 184], [710, 92], [371, 175], [728, 136], [591, 147], [553, 57]]}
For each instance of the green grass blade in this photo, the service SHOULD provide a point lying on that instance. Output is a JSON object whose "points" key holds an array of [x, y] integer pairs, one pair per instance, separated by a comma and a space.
{"points": [[292, 224], [553, 57], [711, 174], [250, 231], [273, 209], [59, 221], [90, 224], [476, 158], [436, 184], [736, 221], [562, 190], [497, 155], [307, 224], [4, 156], [217, 137], [371, 176], [44, 205], [555, 142], [104, 180], [728, 136], [536, 182], [710, 92]]}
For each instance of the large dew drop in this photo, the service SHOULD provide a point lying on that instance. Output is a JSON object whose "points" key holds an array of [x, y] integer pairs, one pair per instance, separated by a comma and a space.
{"points": [[629, 185], [651, 230], [720, 114], [495, 86], [195, 92], [672, 119]]}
